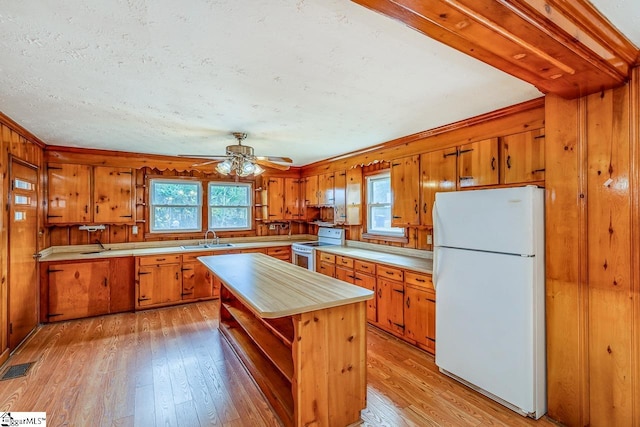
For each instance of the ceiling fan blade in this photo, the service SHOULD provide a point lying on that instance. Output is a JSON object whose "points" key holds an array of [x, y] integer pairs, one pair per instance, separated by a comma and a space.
{"points": [[275, 159], [204, 156], [271, 164], [206, 163]]}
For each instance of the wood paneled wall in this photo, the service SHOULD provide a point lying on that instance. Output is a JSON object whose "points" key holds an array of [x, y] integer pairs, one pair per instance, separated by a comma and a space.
{"points": [[18, 143], [593, 245]]}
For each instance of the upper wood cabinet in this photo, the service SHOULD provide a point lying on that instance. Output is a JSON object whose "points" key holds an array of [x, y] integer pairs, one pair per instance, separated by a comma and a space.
{"points": [[293, 204], [275, 199], [311, 190], [354, 196], [81, 194], [326, 189], [69, 194], [438, 174], [340, 197], [405, 189], [523, 157], [478, 163]]}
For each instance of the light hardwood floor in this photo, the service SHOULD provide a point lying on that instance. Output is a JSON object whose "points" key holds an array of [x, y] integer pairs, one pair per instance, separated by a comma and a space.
{"points": [[171, 367]]}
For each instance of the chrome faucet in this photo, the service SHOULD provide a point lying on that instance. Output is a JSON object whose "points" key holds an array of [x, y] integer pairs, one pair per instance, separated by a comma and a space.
{"points": [[216, 239]]}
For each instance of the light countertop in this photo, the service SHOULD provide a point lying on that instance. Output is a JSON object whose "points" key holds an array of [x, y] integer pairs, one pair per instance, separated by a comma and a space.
{"points": [[274, 288], [421, 265]]}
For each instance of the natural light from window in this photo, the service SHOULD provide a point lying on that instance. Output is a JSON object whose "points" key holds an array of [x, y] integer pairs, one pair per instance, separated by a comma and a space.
{"points": [[229, 206], [175, 205], [379, 206]]}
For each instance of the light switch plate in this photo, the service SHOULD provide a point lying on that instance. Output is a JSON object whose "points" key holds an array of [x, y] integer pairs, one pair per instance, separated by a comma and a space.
{"points": [[429, 239]]}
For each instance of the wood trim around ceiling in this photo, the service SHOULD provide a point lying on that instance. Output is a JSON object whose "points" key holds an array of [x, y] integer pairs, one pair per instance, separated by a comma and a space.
{"points": [[562, 47], [13, 125]]}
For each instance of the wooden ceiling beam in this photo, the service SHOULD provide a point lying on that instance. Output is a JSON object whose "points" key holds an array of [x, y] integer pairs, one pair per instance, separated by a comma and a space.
{"points": [[564, 47]]}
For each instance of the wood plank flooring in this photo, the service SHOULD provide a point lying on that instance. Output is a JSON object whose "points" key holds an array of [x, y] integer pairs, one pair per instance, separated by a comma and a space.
{"points": [[171, 367]]}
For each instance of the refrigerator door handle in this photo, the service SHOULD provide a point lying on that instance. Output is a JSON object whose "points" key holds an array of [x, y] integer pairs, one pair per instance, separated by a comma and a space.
{"points": [[434, 273]]}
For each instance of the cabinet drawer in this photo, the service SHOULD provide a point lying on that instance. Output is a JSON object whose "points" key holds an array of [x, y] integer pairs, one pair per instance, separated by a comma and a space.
{"points": [[187, 257], [418, 279], [344, 261], [365, 266], [327, 257], [390, 273], [159, 259], [279, 252]]}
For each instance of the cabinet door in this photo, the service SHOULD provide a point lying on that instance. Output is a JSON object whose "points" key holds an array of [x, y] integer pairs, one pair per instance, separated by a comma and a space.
{"points": [[78, 290], [196, 281], [438, 174], [69, 194], [345, 274], [340, 196], [368, 281], [390, 305], [113, 195], [523, 155], [159, 284], [405, 190], [478, 163], [354, 196], [326, 268], [420, 316], [292, 199], [275, 199], [326, 194], [311, 190]]}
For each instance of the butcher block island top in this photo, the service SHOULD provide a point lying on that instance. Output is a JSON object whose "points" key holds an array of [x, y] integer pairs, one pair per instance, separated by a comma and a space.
{"points": [[272, 288], [300, 334]]}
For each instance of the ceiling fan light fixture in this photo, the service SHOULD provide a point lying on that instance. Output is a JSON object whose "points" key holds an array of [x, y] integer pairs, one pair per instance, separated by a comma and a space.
{"points": [[225, 167], [257, 170], [245, 168]]}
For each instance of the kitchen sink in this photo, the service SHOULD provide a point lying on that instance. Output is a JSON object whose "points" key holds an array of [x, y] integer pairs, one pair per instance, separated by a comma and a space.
{"points": [[207, 246]]}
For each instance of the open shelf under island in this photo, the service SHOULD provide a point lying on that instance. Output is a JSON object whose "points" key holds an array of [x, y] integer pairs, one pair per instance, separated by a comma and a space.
{"points": [[300, 334]]}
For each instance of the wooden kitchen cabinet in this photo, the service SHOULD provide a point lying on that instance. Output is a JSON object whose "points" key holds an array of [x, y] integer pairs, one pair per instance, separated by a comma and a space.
{"points": [[354, 197], [197, 280], [325, 263], [82, 194], [340, 197], [523, 157], [405, 189], [69, 194], [275, 199], [293, 203], [438, 174], [281, 252], [311, 193], [326, 189], [74, 290], [390, 302], [419, 316], [158, 280], [478, 163], [367, 281]]}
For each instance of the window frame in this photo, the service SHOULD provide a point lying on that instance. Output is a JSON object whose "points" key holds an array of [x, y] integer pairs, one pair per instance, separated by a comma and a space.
{"points": [[249, 206], [176, 180], [370, 230]]}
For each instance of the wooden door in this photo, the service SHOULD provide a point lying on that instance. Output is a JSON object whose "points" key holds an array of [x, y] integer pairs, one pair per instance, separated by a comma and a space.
{"points": [[159, 284], [326, 268], [368, 281], [354, 196], [78, 290], [326, 185], [23, 228], [419, 316], [340, 196], [390, 305], [292, 199], [69, 194], [345, 274], [275, 199], [405, 190], [113, 195], [196, 281], [438, 174], [311, 190], [523, 157], [478, 163]]}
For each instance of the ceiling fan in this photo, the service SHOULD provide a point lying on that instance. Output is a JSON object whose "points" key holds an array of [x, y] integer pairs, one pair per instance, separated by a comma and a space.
{"points": [[240, 160]]}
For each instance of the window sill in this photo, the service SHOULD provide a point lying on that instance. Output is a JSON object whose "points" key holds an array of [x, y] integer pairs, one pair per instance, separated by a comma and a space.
{"points": [[386, 238]]}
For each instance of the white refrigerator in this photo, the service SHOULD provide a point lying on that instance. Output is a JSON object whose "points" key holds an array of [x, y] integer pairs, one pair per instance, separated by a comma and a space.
{"points": [[489, 277]]}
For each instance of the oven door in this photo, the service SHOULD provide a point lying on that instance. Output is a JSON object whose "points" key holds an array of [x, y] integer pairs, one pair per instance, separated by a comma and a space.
{"points": [[304, 260]]}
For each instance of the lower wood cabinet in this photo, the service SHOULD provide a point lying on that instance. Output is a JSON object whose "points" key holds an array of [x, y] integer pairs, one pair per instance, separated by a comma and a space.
{"points": [[404, 302], [77, 289], [158, 280]]}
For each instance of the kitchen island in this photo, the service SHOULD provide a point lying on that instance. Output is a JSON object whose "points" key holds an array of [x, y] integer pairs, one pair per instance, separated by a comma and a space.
{"points": [[300, 334]]}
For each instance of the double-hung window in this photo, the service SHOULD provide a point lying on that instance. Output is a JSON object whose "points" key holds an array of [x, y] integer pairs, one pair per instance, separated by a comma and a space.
{"points": [[379, 205], [229, 206], [175, 205]]}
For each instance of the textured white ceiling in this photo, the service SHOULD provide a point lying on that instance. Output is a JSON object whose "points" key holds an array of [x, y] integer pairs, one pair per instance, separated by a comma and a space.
{"points": [[309, 79], [624, 15]]}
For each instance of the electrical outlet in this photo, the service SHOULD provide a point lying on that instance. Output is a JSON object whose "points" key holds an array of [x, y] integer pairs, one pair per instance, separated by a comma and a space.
{"points": [[272, 226], [429, 239], [134, 230]]}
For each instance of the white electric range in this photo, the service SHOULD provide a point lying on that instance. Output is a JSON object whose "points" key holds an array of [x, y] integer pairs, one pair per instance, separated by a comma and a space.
{"points": [[303, 253]]}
